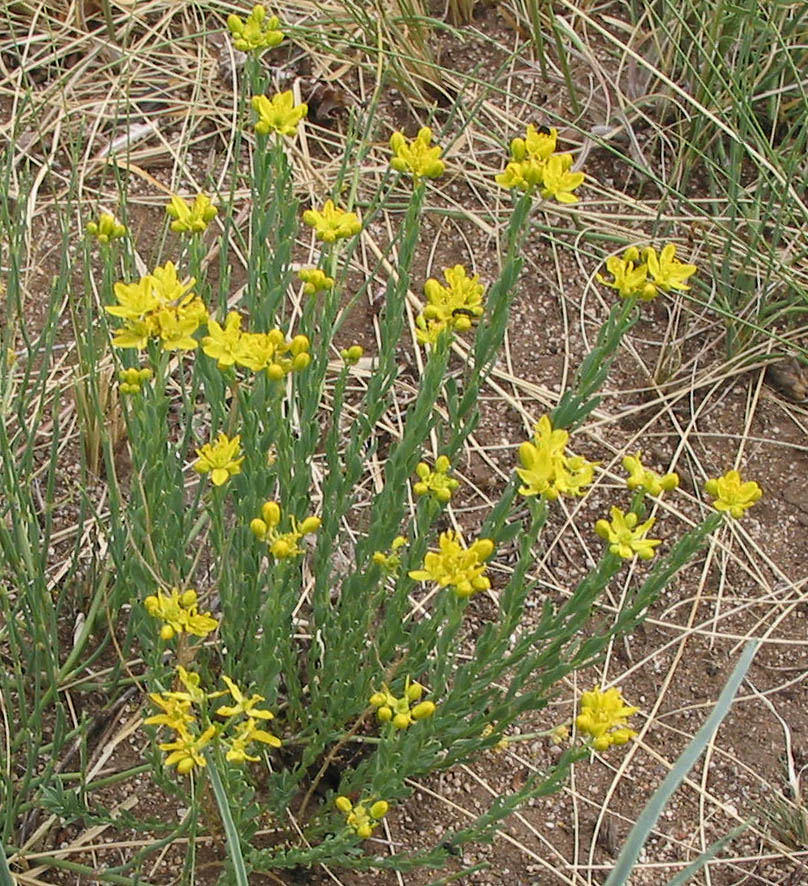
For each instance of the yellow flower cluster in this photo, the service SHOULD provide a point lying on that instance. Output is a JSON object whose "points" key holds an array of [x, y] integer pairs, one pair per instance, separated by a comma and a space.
{"points": [[314, 280], [416, 157], [604, 716], [390, 562], [219, 459], [132, 380], [546, 469], [362, 819], [159, 306], [191, 218], [402, 712], [282, 544], [534, 163], [280, 114], [332, 223], [625, 537], [454, 306], [256, 33], [454, 565], [180, 614], [106, 229], [732, 495], [271, 351], [186, 751], [644, 279], [641, 477], [435, 481]]}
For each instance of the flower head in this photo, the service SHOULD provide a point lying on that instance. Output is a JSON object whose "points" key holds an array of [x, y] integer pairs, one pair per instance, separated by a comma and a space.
{"points": [[243, 705], [455, 306], [363, 818], [547, 470], [625, 537], [179, 612], [106, 228], [186, 750], [131, 380], [644, 279], [454, 565], [435, 481], [282, 544], [650, 481], [668, 272], [190, 219], [273, 352], [402, 712], [280, 115], [256, 33], [314, 280], [732, 495], [534, 163], [223, 343], [389, 562], [176, 711], [558, 181], [219, 459], [604, 716], [332, 223], [247, 732], [416, 157]]}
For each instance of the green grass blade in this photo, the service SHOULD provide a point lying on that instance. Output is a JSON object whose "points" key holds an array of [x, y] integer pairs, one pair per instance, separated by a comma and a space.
{"points": [[710, 852]]}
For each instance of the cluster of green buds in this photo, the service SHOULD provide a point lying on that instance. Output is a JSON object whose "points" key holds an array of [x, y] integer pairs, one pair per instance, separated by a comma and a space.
{"points": [[391, 561], [191, 218], [402, 712], [282, 544], [131, 380], [352, 355], [106, 228], [180, 613], [435, 481], [256, 33], [362, 819]]}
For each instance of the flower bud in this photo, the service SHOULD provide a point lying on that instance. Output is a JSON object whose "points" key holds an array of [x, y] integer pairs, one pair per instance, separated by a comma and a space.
{"points": [[422, 710], [414, 691], [275, 372], [258, 528], [309, 525], [364, 831], [271, 513], [384, 714], [166, 632], [379, 809], [343, 804], [401, 721], [188, 598], [378, 699]]}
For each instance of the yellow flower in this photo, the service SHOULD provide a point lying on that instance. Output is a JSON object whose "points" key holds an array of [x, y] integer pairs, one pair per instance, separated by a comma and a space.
{"points": [[176, 325], [248, 732], [314, 280], [135, 300], [667, 271], [546, 468], [416, 157], [361, 819], [106, 228], [222, 344], [186, 751], [428, 332], [281, 544], [219, 459], [180, 614], [462, 568], [456, 305], [332, 223], [256, 33], [435, 482], [176, 711], [243, 705], [650, 481], [167, 286], [279, 115], [271, 351], [558, 181], [190, 219], [131, 380], [538, 146], [629, 279], [133, 334], [732, 495], [625, 537], [604, 716]]}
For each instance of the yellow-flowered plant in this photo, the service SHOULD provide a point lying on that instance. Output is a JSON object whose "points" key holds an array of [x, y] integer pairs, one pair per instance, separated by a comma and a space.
{"points": [[280, 114], [626, 535], [332, 223], [191, 218], [547, 469], [185, 752], [106, 228], [603, 716], [220, 459], [390, 561], [732, 495], [534, 164], [179, 611], [256, 33], [314, 280], [435, 481], [641, 477], [159, 306], [228, 345], [644, 279], [402, 712], [455, 306], [282, 544], [417, 157], [132, 380], [456, 566], [363, 818]]}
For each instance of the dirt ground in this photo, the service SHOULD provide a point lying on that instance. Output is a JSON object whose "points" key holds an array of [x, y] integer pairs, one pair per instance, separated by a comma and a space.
{"points": [[672, 393]]}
